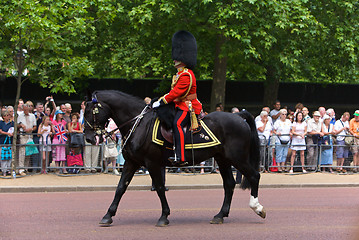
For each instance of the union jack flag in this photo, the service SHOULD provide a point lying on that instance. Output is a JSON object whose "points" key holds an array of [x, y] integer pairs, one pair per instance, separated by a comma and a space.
{"points": [[60, 133]]}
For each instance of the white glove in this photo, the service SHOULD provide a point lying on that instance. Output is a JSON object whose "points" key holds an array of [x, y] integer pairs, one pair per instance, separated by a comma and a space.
{"points": [[156, 104]]}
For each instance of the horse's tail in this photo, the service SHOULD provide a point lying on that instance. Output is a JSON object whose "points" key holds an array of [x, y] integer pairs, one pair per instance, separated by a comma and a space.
{"points": [[254, 153]]}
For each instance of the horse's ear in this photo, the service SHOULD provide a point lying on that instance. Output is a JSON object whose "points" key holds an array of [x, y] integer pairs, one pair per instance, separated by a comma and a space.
{"points": [[88, 95]]}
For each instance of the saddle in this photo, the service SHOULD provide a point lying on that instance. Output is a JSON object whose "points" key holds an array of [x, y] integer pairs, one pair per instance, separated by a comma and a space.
{"points": [[162, 133], [202, 136]]}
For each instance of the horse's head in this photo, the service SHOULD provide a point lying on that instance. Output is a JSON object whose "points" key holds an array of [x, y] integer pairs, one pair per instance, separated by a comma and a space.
{"points": [[96, 117]]}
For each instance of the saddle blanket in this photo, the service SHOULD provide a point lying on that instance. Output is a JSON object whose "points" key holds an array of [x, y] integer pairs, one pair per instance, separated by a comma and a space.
{"points": [[202, 136]]}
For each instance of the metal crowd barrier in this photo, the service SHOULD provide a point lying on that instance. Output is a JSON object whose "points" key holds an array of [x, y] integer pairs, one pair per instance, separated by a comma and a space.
{"points": [[268, 156], [94, 160], [92, 157]]}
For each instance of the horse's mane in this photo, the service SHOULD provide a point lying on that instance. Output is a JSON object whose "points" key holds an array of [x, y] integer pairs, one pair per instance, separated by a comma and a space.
{"points": [[123, 96]]}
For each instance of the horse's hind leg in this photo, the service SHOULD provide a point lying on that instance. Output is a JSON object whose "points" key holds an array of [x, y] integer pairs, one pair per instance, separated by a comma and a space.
{"points": [[252, 177], [228, 184], [129, 170]]}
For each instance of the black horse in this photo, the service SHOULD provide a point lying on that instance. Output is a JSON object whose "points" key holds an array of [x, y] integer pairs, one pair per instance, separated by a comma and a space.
{"points": [[239, 148]]}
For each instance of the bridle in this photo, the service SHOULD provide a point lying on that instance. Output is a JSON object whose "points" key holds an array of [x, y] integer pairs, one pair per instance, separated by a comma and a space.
{"points": [[96, 126], [101, 131]]}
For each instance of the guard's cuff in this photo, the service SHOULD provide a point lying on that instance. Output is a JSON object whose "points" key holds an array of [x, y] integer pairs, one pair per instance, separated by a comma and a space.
{"points": [[163, 100]]}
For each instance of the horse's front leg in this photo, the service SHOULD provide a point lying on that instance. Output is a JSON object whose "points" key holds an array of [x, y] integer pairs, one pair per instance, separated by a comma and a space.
{"points": [[156, 175], [228, 184], [129, 170]]}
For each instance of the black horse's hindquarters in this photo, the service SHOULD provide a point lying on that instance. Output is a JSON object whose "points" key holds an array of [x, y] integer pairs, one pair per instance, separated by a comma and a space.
{"points": [[237, 149]]}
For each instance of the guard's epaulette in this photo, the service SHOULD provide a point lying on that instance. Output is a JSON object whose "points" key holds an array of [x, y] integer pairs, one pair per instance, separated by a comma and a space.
{"points": [[177, 76]]}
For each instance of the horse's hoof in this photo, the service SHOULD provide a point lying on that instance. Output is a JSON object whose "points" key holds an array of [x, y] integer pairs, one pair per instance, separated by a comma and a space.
{"points": [[162, 223], [105, 222], [262, 213], [216, 220]]}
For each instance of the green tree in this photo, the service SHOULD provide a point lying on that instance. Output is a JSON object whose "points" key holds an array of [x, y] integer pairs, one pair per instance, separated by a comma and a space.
{"points": [[47, 38], [237, 39], [331, 56], [261, 40]]}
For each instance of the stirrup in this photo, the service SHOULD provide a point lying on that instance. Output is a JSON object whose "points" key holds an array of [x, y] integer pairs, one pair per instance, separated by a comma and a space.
{"points": [[177, 162]]}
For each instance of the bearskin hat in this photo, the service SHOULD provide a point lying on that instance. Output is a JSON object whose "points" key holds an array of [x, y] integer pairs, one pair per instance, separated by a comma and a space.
{"points": [[184, 48]]}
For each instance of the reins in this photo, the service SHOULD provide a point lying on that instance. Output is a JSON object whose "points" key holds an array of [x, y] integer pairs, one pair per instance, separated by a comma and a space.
{"points": [[129, 133], [99, 131]]}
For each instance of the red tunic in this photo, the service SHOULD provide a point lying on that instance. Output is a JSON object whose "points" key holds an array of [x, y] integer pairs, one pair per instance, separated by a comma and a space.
{"points": [[184, 89]]}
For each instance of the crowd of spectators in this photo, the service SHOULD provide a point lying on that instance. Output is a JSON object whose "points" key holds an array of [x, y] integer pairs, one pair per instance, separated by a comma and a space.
{"points": [[287, 132], [285, 135], [50, 128]]}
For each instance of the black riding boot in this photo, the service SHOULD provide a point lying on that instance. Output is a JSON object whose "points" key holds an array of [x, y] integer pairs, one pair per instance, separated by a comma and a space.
{"points": [[182, 118]]}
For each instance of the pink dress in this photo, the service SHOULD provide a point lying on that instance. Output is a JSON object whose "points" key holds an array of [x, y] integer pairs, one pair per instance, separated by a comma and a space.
{"points": [[59, 138]]}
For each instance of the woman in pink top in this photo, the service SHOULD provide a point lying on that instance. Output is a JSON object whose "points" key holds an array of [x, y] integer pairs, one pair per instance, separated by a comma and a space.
{"points": [[60, 140]]}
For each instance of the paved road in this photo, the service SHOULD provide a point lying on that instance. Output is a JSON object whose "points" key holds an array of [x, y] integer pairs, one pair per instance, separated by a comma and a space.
{"points": [[307, 213]]}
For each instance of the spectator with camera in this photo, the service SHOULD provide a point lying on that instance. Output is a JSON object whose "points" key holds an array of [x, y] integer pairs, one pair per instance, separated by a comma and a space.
{"points": [[50, 111], [341, 127]]}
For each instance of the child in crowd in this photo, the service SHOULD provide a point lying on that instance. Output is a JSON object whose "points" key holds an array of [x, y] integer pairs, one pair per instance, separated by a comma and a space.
{"points": [[6, 134], [74, 126], [45, 130]]}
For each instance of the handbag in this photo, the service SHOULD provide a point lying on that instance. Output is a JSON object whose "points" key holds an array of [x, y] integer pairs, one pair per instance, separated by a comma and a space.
{"points": [[6, 151], [74, 159], [315, 138], [283, 142], [325, 141], [76, 140], [30, 148], [110, 148], [349, 140]]}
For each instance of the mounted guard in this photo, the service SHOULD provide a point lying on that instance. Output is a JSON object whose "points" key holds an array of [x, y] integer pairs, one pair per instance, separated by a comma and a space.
{"points": [[183, 92]]}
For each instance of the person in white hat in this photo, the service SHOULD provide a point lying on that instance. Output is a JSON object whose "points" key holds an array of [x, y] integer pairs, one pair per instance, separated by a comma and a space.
{"points": [[314, 132], [326, 155]]}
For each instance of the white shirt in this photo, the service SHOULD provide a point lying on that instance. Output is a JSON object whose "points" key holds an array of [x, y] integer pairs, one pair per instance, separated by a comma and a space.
{"points": [[283, 128], [314, 126], [28, 120], [273, 113], [258, 118], [339, 125], [267, 129]]}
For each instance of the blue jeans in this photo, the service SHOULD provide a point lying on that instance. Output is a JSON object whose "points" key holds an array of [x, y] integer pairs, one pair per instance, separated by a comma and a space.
{"points": [[281, 152]]}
